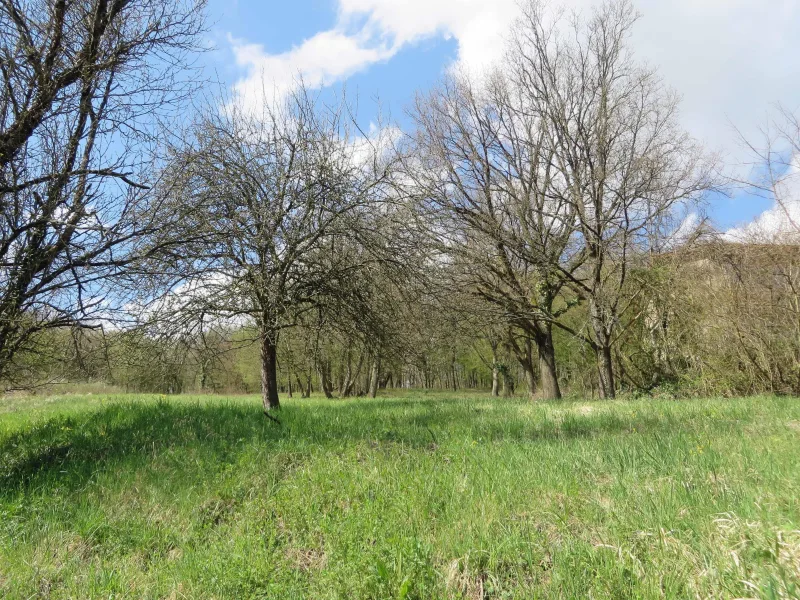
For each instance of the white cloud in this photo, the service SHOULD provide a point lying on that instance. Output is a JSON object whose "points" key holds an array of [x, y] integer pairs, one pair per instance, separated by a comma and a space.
{"points": [[478, 26], [780, 223], [684, 232], [730, 59], [369, 32], [326, 58]]}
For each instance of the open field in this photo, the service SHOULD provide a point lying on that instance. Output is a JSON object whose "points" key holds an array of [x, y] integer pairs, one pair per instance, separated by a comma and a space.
{"points": [[425, 496]]}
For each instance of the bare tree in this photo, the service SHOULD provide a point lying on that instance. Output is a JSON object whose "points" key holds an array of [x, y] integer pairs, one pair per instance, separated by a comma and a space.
{"points": [[622, 163], [283, 197], [485, 175], [83, 85]]}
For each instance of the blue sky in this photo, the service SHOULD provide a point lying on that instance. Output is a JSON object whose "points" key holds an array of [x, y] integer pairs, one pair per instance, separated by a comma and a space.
{"points": [[391, 83], [732, 60]]}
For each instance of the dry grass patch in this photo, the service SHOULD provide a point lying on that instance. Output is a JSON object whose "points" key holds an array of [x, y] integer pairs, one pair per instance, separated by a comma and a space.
{"points": [[306, 559]]}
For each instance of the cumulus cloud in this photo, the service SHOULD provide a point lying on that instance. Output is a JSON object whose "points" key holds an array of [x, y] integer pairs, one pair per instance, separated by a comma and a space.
{"points": [[781, 222], [326, 58], [730, 59], [369, 32], [478, 26]]}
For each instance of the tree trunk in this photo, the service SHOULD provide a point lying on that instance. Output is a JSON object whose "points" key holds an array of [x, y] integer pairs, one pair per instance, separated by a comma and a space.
{"points": [[303, 393], [524, 357], [374, 377], [352, 377], [324, 379], [530, 379], [602, 347], [605, 367], [527, 366], [548, 376], [344, 377], [508, 384], [453, 374], [203, 375], [495, 368], [269, 374]]}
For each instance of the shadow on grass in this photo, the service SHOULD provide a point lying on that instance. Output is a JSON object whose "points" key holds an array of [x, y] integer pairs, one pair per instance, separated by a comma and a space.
{"points": [[69, 448], [76, 445]]}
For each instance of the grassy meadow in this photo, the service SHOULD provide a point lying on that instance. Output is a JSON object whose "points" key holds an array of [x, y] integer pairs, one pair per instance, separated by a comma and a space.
{"points": [[420, 496]]}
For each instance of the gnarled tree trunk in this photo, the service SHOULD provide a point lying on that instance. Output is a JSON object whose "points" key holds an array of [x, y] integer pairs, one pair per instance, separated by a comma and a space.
{"points": [[524, 355]]}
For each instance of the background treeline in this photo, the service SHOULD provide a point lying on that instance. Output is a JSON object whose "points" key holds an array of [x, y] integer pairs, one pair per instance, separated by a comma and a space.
{"points": [[528, 233], [714, 319]]}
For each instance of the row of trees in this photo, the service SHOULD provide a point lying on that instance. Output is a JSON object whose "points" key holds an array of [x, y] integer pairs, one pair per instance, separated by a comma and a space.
{"points": [[524, 235], [552, 176], [717, 318]]}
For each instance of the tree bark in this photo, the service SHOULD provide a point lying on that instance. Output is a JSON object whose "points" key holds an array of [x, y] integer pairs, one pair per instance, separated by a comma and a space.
{"points": [[525, 359], [324, 379], [530, 379], [344, 377], [605, 367], [352, 376], [548, 376], [269, 371], [203, 374], [453, 373], [495, 369], [524, 356], [508, 384]]}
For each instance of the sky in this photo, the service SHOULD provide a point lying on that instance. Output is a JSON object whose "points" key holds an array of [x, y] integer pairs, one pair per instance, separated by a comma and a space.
{"points": [[731, 60]]}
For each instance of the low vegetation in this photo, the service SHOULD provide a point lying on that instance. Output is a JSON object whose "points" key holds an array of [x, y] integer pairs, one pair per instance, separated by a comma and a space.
{"points": [[417, 496]]}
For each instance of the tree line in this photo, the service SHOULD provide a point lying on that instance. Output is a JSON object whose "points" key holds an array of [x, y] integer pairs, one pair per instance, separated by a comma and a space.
{"points": [[526, 234]]}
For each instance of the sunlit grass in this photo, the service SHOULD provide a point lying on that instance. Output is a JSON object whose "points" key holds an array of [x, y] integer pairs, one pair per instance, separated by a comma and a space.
{"points": [[424, 496]]}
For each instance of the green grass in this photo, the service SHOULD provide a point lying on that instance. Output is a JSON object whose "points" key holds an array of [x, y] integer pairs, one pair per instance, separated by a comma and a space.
{"points": [[425, 496]]}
